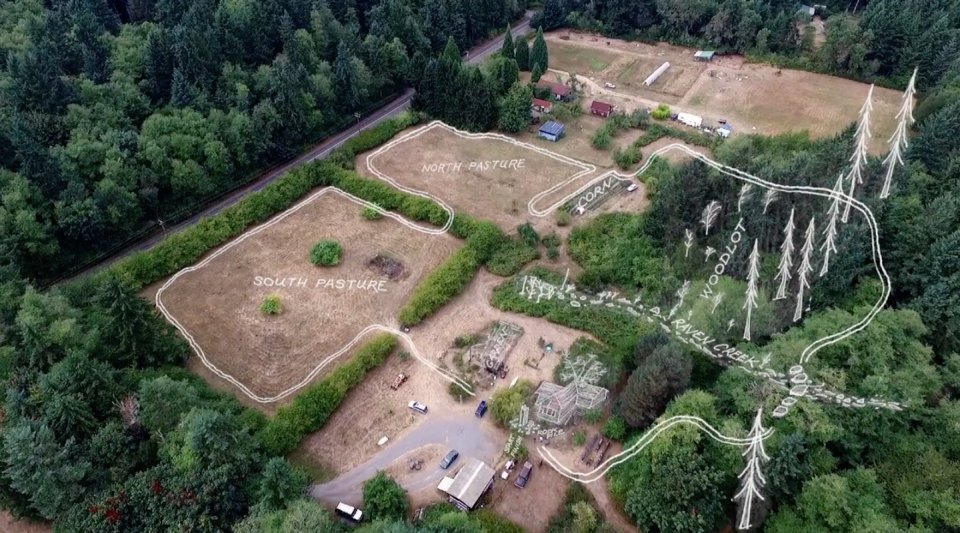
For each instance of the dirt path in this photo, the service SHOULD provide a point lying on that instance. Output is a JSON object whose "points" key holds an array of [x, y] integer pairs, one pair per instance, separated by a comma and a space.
{"points": [[464, 434], [605, 505]]}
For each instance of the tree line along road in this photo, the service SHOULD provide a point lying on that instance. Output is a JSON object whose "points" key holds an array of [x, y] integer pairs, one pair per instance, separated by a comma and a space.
{"points": [[320, 151]]}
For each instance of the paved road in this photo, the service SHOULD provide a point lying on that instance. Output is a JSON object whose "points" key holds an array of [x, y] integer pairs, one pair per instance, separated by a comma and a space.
{"points": [[397, 106], [462, 433]]}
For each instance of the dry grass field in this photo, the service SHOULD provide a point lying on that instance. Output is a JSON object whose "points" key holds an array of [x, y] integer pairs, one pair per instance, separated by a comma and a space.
{"points": [[752, 97], [499, 193], [218, 303]]}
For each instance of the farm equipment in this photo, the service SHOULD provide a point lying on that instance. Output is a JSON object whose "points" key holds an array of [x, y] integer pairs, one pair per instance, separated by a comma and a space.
{"points": [[416, 464], [481, 409], [398, 381]]}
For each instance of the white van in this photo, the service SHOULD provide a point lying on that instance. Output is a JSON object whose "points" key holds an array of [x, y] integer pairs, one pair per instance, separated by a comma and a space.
{"points": [[350, 513]]}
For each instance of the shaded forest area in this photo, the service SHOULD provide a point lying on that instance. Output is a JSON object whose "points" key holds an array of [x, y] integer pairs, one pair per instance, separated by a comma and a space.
{"points": [[125, 114]]}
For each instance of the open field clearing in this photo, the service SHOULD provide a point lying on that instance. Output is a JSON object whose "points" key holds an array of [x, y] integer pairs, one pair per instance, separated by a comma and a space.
{"points": [[582, 60], [324, 308], [752, 97], [487, 176]]}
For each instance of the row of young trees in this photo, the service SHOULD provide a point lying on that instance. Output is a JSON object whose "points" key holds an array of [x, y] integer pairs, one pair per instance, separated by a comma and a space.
{"points": [[877, 39], [118, 114]]}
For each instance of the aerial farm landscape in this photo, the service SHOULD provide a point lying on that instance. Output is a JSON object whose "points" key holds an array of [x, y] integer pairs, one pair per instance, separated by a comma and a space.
{"points": [[423, 267]]}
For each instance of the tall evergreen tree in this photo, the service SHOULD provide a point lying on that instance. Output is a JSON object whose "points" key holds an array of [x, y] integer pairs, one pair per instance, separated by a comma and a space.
{"points": [[346, 79], [650, 388], [451, 52], [522, 54], [514, 113], [554, 14], [507, 49], [181, 94], [539, 55], [537, 73]]}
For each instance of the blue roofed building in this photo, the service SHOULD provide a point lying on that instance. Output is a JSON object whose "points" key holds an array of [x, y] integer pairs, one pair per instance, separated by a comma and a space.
{"points": [[552, 131]]}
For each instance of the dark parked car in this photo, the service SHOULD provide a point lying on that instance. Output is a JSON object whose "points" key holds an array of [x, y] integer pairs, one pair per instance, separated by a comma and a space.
{"points": [[482, 408], [449, 459], [524, 475]]}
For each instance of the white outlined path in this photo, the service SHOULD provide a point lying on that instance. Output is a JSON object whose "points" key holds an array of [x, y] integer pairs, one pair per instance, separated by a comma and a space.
{"points": [[645, 440], [328, 359]]}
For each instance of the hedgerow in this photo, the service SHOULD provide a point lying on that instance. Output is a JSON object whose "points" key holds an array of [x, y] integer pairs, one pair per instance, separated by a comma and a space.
{"points": [[312, 408], [510, 257], [447, 281], [371, 138]]}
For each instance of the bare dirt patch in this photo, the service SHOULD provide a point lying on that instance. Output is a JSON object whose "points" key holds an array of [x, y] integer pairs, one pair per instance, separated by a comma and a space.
{"points": [[219, 303], [532, 506], [753, 98], [470, 180], [10, 525], [430, 455]]}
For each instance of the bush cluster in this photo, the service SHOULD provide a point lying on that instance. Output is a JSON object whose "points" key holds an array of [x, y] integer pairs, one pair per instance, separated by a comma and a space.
{"points": [[662, 112], [271, 305], [510, 257], [370, 213], [312, 408], [326, 253]]}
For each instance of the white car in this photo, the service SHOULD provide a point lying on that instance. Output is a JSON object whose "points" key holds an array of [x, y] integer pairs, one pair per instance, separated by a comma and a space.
{"points": [[609, 85], [633, 187], [418, 407]]}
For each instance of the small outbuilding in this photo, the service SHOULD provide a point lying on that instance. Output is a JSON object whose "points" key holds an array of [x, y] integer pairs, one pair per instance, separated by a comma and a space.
{"points": [[724, 131], [704, 55], [542, 106], [469, 485], [552, 131], [601, 109], [559, 91]]}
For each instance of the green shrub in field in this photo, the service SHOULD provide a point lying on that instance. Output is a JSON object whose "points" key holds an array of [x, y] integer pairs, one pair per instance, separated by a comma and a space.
{"points": [[271, 305], [553, 253], [465, 340], [601, 139], [370, 213], [510, 257], [459, 393], [447, 281], [563, 217], [592, 416], [551, 241], [627, 158], [528, 234], [614, 428], [662, 112], [579, 438], [326, 253], [312, 408]]}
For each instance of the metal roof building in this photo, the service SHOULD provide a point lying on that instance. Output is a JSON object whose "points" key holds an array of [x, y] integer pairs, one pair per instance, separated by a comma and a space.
{"points": [[551, 131], [704, 55], [473, 479]]}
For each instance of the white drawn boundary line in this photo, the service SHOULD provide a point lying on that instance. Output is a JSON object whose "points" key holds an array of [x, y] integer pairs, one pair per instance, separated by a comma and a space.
{"points": [[585, 168], [817, 345], [326, 361], [637, 447]]}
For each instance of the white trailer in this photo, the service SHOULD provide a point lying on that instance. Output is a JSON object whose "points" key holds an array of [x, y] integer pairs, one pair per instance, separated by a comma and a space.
{"points": [[656, 73], [690, 120]]}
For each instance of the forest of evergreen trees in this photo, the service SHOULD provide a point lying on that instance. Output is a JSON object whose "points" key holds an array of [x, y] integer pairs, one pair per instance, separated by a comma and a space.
{"points": [[118, 114]]}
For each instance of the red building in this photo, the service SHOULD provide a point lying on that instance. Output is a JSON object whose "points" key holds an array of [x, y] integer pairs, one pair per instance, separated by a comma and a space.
{"points": [[542, 106], [601, 109], [558, 90]]}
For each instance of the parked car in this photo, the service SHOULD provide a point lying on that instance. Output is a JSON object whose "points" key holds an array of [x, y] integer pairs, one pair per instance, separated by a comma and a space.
{"points": [[609, 85], [481, 409], [349, 512], [722, 121], [418, 407], [632, 187], [449, 459], [524, 475], [674, 116]]}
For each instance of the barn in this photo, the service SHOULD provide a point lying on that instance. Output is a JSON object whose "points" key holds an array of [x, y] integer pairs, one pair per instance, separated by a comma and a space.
{"points": [[559, 91], [601, 109], [552, 131], [470, 483]]}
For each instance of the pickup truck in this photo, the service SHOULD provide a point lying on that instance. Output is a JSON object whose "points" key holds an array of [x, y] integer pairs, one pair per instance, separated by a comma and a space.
{"points": [[481, 409]]}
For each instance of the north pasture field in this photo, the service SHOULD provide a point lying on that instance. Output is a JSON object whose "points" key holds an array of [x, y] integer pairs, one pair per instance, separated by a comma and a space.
{"points": [[753, 98], [488, 176], [324, 308]]}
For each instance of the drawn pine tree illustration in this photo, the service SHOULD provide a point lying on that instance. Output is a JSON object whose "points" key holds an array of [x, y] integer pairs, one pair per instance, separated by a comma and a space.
{"points": [[805, 268], [859, 157], [716, 302], [751, 479], [681, 294], [745, 193], [769, 198], [753, 274], [688, 242], [786, 259], [899, 141], [830, 233], [709, 216]]}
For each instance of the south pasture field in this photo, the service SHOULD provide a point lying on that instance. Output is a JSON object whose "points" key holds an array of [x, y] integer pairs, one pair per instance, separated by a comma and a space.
{"points": [[324, 308], [488, 176]]}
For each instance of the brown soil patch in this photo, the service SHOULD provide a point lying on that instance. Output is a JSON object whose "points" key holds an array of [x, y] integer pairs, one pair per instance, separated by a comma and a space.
{"points": [[10, 525], [752, 97], [430, 455], [373, 410], [534, 505], [219, 303], [388, 267], [494, 193]]}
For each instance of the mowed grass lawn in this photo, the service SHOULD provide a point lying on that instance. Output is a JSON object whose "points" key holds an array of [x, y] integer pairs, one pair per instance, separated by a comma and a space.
{"points": [[578, 60]]}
